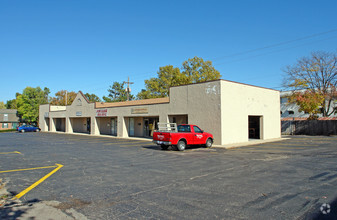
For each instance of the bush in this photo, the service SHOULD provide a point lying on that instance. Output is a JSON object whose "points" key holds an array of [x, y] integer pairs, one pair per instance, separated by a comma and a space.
{"points": [[8, 130]]}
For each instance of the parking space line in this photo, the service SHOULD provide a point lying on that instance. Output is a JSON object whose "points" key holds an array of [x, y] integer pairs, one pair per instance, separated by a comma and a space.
{"points": [[34, 168], [13, 152], [58, 166]]}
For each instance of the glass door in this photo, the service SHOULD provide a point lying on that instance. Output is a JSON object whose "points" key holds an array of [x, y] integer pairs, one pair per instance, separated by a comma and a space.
{"points": [[131, 127], [113, 126], [146, 127]]}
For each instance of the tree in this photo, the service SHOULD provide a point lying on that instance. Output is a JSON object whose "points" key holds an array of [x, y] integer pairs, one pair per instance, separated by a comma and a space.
{"points": [[317, 73], [167, 77], [117, 93], [92, 97], [308, 101], [46, 93], [197, 70], [2, 105], [11, 104], [193, 70], [28, 103], [60, 98]]}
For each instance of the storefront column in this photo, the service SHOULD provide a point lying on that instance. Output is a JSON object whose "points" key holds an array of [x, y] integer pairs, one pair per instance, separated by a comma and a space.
{"points": [[94, 126], [69, 127], [122, 131], [52, 124], [164, 119]]}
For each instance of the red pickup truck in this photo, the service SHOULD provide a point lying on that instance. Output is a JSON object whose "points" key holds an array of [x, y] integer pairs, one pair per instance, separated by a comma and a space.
{"points": [[181, 136]]}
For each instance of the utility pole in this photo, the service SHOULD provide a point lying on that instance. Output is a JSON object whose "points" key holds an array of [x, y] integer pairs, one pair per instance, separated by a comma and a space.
{"points": [[66, 96], [128, 90]]}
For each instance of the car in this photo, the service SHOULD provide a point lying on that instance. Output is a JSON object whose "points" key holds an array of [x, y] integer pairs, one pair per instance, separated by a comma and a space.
{"points": [[25, 128], [180, 136]]}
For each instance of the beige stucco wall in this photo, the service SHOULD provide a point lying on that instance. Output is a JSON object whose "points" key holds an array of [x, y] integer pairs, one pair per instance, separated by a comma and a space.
{"points": [[201, 102], [79, 124], [139, 127], [238, 101], [43, 109], [104, 125]]}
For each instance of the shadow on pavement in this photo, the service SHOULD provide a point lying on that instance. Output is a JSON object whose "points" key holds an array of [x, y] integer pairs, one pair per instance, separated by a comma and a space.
{"points": [[319, 215], [13, 210]]}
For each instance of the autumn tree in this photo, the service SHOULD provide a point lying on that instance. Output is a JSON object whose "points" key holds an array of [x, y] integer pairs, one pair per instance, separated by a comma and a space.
{"points": [[29, 101], [318, 74], [2, 105], [308, 101], [92, 97], [117, 93], [63, 97], [193, 70]]}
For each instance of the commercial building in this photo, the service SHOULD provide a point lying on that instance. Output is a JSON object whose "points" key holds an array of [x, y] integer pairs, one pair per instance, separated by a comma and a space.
{"points": [[231, 111], [8, 119], [291, 110]]}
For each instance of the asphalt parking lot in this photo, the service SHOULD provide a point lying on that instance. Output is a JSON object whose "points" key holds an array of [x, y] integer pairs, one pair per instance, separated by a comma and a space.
{"points": [[110, 178]]}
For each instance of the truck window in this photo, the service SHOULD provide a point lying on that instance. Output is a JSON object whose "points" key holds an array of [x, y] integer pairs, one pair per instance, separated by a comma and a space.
{"points": [[197, 130], [184, 128]]}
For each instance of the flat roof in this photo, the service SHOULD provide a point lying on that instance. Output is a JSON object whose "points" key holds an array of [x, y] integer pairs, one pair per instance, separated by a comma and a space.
{"points": [[132, 103], [8, 111], [227, 81]]}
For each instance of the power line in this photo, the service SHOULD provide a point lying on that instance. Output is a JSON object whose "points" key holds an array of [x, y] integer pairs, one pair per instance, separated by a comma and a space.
{"points": [[277, 44], [275, 51]]}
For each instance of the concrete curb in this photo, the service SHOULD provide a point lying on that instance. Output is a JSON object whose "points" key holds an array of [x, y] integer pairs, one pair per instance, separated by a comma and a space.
{"points": [[105, 136], [249, 143]]}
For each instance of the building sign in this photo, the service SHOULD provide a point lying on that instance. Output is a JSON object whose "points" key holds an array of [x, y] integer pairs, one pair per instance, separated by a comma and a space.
{"points": [[139, 111], [78, 113], [101, 112]]}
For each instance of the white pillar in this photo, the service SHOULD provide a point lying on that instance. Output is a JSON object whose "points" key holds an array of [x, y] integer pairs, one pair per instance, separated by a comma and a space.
{"points": [[122, 130], [52, 124], [164, 118], [69, 126], [94, 126]]}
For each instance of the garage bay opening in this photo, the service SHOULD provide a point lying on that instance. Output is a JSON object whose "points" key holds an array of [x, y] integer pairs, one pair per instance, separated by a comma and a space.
{"points": [[254, 127]]}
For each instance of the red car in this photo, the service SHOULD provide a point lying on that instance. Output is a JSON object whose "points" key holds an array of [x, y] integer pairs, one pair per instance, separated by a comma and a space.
{"points": [[181, 136]]}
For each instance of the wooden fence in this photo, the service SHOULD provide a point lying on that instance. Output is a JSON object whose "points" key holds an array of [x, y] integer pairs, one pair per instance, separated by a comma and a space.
{"points": [[309, 127]]}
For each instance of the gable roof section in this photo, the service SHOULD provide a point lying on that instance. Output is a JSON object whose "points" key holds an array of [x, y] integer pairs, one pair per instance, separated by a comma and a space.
{"points": [[80, 96], [86, 99], [132, 103]]}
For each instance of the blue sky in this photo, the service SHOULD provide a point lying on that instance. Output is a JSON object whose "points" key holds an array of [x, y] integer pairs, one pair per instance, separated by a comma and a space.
{"points": [[87, 45]]}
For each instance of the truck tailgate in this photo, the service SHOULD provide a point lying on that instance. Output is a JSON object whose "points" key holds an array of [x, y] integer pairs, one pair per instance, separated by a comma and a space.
{"points": [[162, 137]]}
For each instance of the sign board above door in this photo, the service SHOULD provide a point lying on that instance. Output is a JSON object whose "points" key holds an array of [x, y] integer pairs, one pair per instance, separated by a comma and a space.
{"points": [[139, 111]]}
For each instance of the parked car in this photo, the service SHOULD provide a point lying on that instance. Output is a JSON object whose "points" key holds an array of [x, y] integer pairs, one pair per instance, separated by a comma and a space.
{"points": [[25, 128], [180, 136]]}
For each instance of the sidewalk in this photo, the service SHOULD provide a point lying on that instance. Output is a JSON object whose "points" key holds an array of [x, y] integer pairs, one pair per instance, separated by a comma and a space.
{"points": [[250, 143], [101, 135]]}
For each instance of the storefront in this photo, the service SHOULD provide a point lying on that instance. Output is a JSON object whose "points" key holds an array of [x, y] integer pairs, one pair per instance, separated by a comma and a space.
{"points": [[253, 113]]}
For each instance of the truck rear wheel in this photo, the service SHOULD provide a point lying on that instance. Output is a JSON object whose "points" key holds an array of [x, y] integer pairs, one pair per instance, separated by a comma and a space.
{"points": [[181, 145]]}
